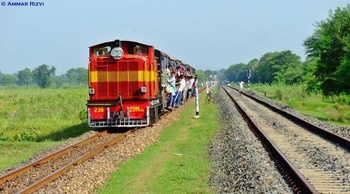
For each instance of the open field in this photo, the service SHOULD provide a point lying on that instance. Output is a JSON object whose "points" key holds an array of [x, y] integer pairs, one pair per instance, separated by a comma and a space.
{"points": [[331, 109], [33, 119]]}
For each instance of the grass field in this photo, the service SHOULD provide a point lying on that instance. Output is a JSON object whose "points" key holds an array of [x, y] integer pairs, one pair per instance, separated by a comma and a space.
{"points": [[33, 119], [331, 109]]}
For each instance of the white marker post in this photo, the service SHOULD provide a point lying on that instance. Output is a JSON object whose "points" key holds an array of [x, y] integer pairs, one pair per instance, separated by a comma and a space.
{"points": [[197, 104]]}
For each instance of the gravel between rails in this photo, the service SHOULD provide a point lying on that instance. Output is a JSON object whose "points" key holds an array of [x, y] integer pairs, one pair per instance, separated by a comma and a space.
{"points": [[343, 131], [240, 163]]}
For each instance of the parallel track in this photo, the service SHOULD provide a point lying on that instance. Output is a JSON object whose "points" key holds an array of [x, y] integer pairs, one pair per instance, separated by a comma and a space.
{"points": [[27, 180], [304, 175]]}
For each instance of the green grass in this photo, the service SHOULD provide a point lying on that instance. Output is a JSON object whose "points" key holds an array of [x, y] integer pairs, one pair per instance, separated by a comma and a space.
{"points": [[36, 114], [13, 153], [178, 163], [33, 119], [331, 109]]}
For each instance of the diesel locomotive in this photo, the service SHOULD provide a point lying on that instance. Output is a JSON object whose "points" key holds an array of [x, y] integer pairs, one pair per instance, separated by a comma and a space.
{"points": [[126, 83]]}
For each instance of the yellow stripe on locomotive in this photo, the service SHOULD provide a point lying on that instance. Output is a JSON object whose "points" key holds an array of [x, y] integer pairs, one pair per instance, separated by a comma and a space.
{"points": [[122, 76]]}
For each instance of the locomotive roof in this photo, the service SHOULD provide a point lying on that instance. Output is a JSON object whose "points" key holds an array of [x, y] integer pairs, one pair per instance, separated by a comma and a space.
{"points": [[134, 42], [162, 53], [123, 41]]}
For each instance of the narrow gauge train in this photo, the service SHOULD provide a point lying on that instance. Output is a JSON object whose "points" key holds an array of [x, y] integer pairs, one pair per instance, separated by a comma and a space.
{"points": [[126, 83]]}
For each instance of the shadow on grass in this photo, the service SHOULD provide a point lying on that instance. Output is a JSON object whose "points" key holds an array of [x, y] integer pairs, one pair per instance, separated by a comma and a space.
{"points": [[75, 131], [70, 132]]}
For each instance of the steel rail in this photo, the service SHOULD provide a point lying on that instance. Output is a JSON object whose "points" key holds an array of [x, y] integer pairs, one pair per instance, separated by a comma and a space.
{"points": [[336, 139], [296, 179], [37, 185], [40, 161]]}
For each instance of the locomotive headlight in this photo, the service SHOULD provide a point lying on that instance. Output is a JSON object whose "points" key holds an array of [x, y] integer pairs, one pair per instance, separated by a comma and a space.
{"points": [[91, 91], [117, 53], [143, 89]]}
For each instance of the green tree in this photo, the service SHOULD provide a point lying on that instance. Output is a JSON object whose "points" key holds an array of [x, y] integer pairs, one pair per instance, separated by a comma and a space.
{"points": [[279, 67], [237, 72], [43, 75], [230, 73], [7, 79], [25, 77], [253, 65], [311, 84], [58, 81], [288, 68], [265, 72], [330, 45], [221, 75], [77, 76], [201, 76]]}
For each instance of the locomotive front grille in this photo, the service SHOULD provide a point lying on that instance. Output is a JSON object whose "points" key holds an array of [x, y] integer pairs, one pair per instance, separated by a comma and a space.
{"points": [[119, 123], [124, 122]]}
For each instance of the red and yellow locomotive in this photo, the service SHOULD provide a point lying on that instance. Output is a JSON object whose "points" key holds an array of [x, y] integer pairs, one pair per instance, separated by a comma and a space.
{"points": [[125, 84]]}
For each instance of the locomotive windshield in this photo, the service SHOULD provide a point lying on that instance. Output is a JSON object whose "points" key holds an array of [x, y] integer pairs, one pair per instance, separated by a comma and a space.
{"points": [[132, 48], [136, 49], [102, 51]]}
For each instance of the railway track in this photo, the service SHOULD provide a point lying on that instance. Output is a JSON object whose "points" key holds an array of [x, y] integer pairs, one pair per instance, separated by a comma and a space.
{"points": [[39, 173], [311, 159]]}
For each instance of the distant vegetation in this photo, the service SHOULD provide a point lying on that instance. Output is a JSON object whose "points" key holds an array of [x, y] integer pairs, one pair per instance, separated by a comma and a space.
{"points": [[326, 69], [44, 77], [318, 86]]}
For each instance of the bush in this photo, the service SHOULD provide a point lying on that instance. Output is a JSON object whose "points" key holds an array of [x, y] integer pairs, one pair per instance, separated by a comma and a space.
{"points": [[279, 94], [25, 136], [344, 99]]}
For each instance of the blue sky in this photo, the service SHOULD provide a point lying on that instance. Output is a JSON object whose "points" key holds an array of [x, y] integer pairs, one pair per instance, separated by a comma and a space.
{"points": [[209, 35]]}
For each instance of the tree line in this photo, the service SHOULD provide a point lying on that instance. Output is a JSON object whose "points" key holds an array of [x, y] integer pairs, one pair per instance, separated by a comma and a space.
{"points": [[326, 68], [44, 77]]}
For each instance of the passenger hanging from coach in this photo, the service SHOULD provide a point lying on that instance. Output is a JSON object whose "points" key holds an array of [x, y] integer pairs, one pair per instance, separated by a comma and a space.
{"points": [[168, 71], [194, 86], [185, 92], [171, 81], [190, 91], [180, 91]]}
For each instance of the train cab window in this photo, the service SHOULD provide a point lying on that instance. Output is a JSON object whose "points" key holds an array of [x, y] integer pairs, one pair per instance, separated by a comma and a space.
{"points": [[140, 50], [102, 51]]}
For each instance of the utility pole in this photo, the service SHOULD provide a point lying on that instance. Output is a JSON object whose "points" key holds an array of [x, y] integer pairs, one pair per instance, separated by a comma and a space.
{"points": [[248, 75]]}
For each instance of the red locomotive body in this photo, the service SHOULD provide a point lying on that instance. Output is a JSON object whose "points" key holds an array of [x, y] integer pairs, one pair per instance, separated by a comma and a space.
{"points": [[124, 85]]}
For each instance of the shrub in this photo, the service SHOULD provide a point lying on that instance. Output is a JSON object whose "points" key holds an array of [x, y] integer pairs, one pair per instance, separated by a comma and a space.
{"points": [[279, 94]]}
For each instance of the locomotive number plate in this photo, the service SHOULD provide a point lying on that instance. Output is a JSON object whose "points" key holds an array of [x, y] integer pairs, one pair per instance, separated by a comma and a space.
{"points": [[98, 109], [136, 109]]}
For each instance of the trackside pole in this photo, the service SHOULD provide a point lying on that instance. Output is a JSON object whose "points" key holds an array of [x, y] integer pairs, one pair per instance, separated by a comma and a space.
{"points": [[197, 104]]}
